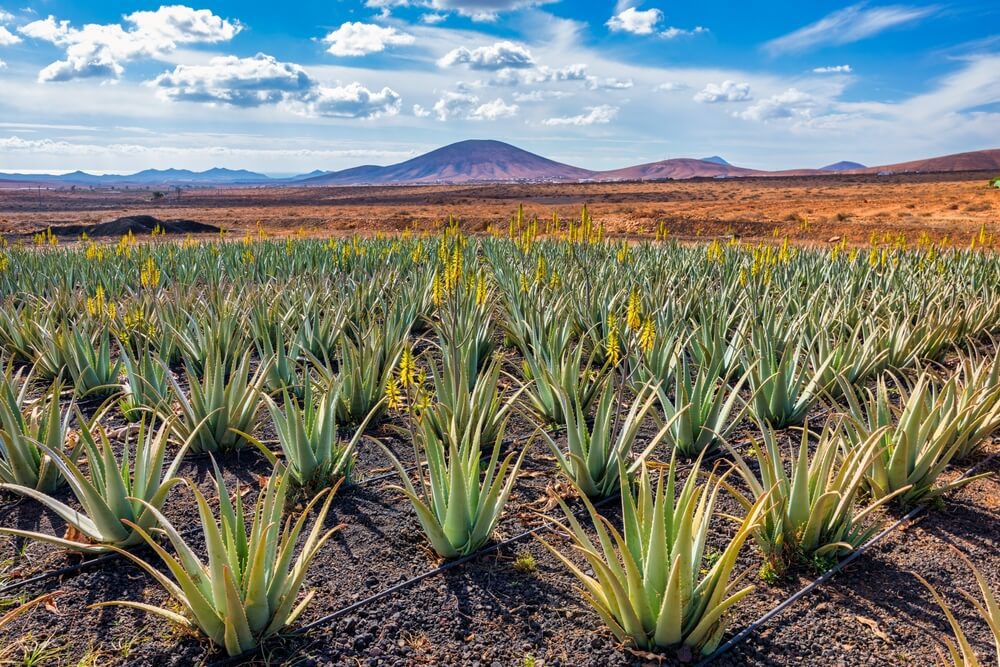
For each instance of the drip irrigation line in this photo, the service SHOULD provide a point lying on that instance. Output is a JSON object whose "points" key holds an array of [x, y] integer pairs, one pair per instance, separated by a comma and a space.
{"points": [[745, 633]]}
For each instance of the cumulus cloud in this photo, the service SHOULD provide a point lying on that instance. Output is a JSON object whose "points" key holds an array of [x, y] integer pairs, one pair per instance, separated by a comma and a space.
{"points": [[263, 80], [455, 105], [833, 69], [3, 65], [432, 18], [636, 21], [468, 106], [7, 38], [350, 101], [600, 115], [100, 50], [727, 91], [847, 25], [358, 39], [792, 103], [6, 17], [494, 110], [501, 55], [673, 33], [242, 82], [420, 112]]}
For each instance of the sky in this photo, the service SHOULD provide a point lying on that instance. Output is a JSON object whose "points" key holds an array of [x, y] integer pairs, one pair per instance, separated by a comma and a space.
{"points": [[282, 88]]}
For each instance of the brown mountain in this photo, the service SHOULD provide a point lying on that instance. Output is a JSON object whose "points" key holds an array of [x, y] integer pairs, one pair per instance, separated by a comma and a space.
{"points": [[677, 168], [971, 161], [473, 161]]}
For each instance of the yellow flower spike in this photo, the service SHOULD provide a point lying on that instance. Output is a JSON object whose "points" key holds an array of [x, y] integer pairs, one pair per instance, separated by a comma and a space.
{"points": [[393, 396], [407, 368], [611, 344], [647, 336], [633, 314]]}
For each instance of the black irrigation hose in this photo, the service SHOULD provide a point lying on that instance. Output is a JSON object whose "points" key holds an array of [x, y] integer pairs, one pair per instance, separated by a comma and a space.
{"points": [[547, 525], [743, 634]]}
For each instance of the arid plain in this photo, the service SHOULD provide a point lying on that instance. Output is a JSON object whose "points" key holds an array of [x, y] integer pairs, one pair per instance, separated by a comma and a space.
{"points": [[804, 209]]}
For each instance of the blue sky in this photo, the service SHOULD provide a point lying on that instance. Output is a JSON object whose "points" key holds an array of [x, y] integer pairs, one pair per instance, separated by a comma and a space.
{"points": [[282, 87]]}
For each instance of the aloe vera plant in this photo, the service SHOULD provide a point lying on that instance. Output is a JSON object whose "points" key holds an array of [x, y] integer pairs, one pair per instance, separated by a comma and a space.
{"points": [[701, 410], [465, 409], [651, 584], [219, 412], [784, 385], [26, 430], [146, 385], [89, 365], [918, 440], [813, 512], [118, 489], [459, 500], [308, 436], [249, 588], [548, 377], [595, 454]]}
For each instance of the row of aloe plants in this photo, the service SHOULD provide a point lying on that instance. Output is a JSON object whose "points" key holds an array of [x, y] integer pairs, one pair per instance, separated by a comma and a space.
{"points": [[597, 362]]}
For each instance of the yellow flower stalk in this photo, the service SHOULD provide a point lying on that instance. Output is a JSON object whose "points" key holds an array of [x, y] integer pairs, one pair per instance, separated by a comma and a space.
{"points": [[647, 336], [633, 314]]}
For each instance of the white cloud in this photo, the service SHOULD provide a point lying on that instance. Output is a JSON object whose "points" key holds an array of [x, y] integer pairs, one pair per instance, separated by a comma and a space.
{"points": [[420, 112], [6, 17], [635, 21], [847, 25], [596, 83], [670, 87], [3, 65], [467, 106], [358, 39], [600, 115], [263, 80], [7, 38], [833, 69], [494, 110], [673, 33], [432, 18], [501, 55], [100, 50], [792, 103], [241, 82], [350, 101], [455, 105], [727, 91]]}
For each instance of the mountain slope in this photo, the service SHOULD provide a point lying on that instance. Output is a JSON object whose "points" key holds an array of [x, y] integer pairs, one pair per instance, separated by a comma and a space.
{"points": [[463, 162], [677, 168], [971, 161]]}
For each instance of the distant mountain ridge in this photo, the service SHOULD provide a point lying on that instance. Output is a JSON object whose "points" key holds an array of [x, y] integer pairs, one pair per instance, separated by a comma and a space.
{"points": [[490, 161]]}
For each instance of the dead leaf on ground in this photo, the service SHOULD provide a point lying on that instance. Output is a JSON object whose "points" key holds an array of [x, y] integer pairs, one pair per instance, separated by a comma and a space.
{"points": [[873, 626]]}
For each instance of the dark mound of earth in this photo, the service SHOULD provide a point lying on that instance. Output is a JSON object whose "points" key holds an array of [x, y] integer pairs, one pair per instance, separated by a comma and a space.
{"points": [[137, 224]]}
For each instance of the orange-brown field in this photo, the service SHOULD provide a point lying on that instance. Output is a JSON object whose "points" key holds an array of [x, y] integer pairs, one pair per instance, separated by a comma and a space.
{"points": [[805, 209]]}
